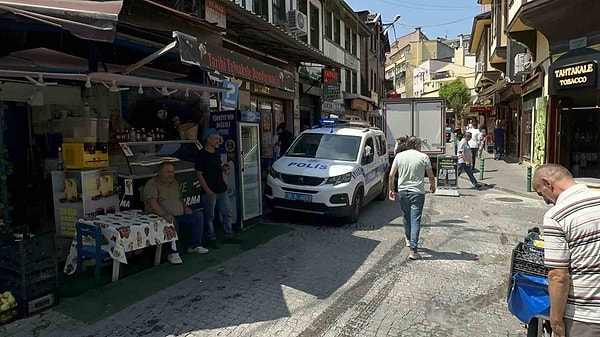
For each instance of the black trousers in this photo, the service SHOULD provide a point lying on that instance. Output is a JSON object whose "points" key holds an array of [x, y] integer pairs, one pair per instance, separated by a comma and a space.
{"points": [[474, 154]]}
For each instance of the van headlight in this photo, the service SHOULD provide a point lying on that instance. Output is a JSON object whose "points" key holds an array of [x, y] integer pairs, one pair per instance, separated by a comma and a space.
{"points": [[344, 178], [275, 174]]}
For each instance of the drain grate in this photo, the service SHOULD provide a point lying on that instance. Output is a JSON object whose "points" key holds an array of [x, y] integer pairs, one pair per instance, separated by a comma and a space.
{"points": [[509, 199]]}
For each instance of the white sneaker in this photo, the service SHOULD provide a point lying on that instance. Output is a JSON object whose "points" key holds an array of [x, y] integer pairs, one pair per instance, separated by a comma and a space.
{"points": [[199, 250], [407, 242], [174, 258]]}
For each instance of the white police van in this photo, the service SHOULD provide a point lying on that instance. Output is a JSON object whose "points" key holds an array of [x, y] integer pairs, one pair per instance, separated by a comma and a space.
{"points": [[332, 169]]}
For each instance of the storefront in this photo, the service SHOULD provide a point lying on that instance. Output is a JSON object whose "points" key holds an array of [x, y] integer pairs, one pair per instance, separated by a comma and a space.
{"points": [[510, 99], [574, 112], [531, 90]]}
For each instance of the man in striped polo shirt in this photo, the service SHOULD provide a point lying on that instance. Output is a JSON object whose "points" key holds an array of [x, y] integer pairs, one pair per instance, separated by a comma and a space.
{"points": [[572, 251]]}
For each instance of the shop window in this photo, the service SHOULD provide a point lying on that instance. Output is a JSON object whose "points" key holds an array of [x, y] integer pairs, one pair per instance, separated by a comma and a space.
{"points": [[337, 28], [347, 39], [348, 84], [328, 30], [315, 29]]}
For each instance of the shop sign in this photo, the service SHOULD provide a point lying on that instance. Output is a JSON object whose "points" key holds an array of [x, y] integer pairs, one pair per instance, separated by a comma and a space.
{"points": [[359, 104], [229, 99], [216, 13], [225, 122], [375, 97], [575, 75], [532, 84], [331, 92], [480, 109], [447, 177], [212, 56], [330, 76], [351, 61], [333, 107], [261, 89]]}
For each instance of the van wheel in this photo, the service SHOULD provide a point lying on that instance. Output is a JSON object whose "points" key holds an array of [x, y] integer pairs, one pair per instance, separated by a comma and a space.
{"points": [[384, 190], [356, 206]]}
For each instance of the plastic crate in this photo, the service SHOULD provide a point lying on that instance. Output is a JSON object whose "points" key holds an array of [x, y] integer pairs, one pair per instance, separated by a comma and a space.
{"points": [[29, 254], [528, 260]]}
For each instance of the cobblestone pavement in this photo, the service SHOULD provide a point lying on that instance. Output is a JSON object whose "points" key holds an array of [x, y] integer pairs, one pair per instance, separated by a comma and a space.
{"points": [[343, 280]]}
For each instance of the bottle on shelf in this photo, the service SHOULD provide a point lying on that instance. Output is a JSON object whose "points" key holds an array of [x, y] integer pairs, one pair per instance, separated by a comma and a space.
{"points": [[162, 134], [138, 136], [150, 136], [143, 137], [131, 136]]}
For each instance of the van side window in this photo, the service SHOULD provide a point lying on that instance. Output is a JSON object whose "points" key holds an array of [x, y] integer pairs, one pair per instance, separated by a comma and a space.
{"points": [[382, 145], [368, 151]]}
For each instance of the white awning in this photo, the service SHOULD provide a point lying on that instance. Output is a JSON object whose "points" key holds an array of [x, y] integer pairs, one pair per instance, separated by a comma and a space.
{"points": [[90, 20]]}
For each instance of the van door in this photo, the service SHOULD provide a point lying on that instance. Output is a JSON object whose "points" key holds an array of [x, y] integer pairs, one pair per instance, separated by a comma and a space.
{"points": [[369, 164]]}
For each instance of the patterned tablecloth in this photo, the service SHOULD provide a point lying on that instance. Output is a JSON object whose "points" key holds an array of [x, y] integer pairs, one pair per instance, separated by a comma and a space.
{"points": [[125, 232]]}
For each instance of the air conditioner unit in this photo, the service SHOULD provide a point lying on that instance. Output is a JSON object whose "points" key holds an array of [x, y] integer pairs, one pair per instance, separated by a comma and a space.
{"points": [[479, 67], [297, 23], [522, 63]]}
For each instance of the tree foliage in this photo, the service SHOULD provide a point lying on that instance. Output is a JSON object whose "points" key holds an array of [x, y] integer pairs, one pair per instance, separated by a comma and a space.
{"points": [[457, 95]]}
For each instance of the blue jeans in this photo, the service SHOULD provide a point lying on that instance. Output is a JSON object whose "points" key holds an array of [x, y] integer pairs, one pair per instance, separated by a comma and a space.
{"points": [[196, 220], [498, 149], [221, 202], [411, 204], [466, 168]]}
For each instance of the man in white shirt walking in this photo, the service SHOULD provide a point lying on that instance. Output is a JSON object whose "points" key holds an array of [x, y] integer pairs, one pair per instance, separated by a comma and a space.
{"points": [[474, 142], [465, 158]]}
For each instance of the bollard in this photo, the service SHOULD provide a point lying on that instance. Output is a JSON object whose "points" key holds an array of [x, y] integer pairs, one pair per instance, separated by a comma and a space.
{"points": [[481, 168], [529, 178]]}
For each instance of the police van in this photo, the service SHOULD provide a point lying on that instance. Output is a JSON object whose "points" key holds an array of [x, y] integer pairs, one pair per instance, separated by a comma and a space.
{"points": [[332, 169]]}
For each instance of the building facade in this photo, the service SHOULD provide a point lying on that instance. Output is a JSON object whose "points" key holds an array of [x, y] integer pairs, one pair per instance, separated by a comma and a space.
{"points": [[561, 90]]}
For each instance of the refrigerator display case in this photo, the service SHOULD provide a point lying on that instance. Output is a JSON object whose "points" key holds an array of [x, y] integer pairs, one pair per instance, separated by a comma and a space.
{"points": [[82, 194], [139, 161]]}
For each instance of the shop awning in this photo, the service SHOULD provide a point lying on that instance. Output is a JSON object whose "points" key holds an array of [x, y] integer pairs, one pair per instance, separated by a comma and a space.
{"points": [[114, 80], [54, 65], [90, 20], [252, 29]]}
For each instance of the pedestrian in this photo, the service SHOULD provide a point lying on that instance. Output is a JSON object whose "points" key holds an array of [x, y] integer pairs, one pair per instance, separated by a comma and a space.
{"points": [[498, 140], [465, 158], [411, 166], [400, 145], [285, 138], [571, 246], [474, 142], [162, 196], [209, 172]]}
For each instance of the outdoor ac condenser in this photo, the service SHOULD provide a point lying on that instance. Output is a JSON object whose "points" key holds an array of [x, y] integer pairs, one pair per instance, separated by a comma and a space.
{"points": [[297, 23]]}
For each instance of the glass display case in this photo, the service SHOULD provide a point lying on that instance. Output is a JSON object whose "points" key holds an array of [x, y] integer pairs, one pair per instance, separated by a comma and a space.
{"points": [[138, 162]]}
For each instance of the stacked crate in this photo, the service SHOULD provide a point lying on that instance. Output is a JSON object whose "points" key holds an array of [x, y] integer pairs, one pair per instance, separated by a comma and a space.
{"points": [[28, 269]]}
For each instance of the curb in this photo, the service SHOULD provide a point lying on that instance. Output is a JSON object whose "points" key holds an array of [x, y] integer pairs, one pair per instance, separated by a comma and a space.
{"points": [[530, 195]]}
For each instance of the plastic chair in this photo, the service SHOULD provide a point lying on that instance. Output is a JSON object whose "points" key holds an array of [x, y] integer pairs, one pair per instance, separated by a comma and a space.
{"points": [[90, 252]]}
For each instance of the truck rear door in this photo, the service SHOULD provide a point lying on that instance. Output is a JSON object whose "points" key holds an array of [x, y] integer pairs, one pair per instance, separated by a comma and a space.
{"points": [[398, 121], [429, 120]]}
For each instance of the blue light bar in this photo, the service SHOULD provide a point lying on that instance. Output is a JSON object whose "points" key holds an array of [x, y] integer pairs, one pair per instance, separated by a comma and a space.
{"points": [[328, 121]]}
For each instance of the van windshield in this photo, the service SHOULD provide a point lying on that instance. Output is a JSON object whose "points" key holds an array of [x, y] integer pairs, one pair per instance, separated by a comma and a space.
{"points": [[326, 146]]}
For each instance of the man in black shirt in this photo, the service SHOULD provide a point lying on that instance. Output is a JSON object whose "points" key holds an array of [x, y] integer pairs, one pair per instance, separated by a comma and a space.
{"points": [[285, 138], [209, 173]]}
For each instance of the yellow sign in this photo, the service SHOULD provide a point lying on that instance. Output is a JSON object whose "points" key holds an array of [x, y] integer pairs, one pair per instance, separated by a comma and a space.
{"points": [[359, 104]]}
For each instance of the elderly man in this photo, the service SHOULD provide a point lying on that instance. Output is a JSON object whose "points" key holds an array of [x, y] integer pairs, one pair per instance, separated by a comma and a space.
{"points": [[162, 196], [572, 246]]}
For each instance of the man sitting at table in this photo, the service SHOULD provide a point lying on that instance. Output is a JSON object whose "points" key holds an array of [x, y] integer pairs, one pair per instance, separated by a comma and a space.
{"points": [[162, 196]]}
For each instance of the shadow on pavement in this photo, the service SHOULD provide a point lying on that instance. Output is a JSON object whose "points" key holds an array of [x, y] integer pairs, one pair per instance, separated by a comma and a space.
{"points": [[450, 256]]}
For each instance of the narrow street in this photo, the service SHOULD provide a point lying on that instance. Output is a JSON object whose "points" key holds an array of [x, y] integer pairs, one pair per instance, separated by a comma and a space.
{"points": [[348, 280]]}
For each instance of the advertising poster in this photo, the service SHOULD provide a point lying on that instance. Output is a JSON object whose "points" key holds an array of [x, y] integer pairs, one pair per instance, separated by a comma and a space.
{"points": [[230, 98], [447, 166], [82, 195], [226, 123]]}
